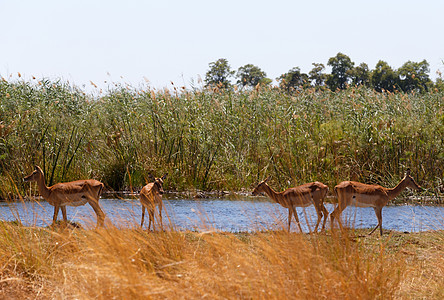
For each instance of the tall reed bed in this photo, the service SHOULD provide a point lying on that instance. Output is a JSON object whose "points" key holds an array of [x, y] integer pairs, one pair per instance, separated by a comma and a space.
{"points": [[218, 139]]}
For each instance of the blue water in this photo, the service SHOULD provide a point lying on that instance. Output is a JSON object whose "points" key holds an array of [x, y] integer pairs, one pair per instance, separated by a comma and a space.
{"points": [[246, 214]]}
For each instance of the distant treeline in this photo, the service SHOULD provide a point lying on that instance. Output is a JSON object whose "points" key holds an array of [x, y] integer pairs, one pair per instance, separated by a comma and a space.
{"points": [[218, 139], [411, 76]]}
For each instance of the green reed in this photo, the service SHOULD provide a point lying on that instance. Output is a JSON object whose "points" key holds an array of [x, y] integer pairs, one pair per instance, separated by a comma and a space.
{"points": [[217, 139]]}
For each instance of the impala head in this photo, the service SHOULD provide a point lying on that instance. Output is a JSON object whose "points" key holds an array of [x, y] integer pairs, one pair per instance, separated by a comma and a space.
{"points": [[158, 184], [410, 182], [260, 187], [34, 176]]}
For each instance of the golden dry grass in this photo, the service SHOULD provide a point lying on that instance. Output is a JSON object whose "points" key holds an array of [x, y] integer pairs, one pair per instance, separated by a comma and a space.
{"points": [[111, 263]]}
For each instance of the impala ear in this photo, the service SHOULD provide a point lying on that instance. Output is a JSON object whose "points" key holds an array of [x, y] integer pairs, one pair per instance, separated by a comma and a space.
{"points": [[407, 172], [36, 168], [164, 176]]}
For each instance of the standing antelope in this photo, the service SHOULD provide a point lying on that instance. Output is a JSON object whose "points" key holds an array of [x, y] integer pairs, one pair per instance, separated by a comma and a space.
{"points": [[74, 193], [150, 197], [301, 196], [369, 195]]}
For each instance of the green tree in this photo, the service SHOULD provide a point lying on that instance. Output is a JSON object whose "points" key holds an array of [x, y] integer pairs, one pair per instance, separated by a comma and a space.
{"points": [[219, 74], [341, 66], [251, 75], [413, 76], [360, 75], [383, 77], [316, 75], [293, 80]]}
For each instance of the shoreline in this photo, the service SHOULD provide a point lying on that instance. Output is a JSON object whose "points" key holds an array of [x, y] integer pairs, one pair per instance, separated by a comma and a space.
{"points": [[230, 195]]}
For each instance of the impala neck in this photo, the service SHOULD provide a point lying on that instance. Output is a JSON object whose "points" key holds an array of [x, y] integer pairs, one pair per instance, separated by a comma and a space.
{"points": [[271, 193], [43, 189], [394, 192]]}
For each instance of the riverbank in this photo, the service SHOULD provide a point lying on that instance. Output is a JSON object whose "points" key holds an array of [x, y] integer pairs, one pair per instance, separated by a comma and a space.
{"points": [[133, 264], [225, 214], [437, 199]]}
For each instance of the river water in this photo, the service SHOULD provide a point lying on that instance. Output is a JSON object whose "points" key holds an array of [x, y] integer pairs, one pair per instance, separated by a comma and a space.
{"points": [[241, 214]]}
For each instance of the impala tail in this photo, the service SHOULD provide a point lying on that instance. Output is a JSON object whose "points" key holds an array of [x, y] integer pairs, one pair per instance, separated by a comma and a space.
{"points": [[325, 192], [102, 186]]}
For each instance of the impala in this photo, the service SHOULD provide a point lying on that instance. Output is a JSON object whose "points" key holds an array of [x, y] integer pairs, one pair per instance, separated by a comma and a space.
{"points": [[74, 193], [369, 195], [150, 197], [301, 196]]}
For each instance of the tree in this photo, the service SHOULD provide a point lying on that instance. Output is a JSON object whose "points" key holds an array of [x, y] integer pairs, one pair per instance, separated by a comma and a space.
{"points": [[219, 74], [341, 66], [413, 76], [316, 75], [383, 77], [360, 75], [250, 75], [293, 80]]}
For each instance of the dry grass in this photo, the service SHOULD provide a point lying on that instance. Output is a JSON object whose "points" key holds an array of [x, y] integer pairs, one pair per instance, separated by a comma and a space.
{"points": [[423, 254], [131, 264]]}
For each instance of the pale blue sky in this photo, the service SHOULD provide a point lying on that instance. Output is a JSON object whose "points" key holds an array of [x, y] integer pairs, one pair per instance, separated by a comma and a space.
{"points": [[162, 41]]}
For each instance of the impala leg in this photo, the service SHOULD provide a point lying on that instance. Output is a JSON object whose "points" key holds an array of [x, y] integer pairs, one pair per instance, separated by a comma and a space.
{"points": [[297, 219], [290, 215], [65, 218], [160, 216], [343, 201], [332, 219], [373, 230], [378, 212], [337, 214], [143, 215], [319, 213], [56, 214], [380, 220], [151, 216], [99, 212], [325, 212]]}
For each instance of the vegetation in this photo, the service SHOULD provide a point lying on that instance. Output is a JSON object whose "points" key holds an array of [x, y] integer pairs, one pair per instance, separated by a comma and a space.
{"points": [[251, 75], [218, 139], [411, 76], [219, 74], [293, 80], [341, 69], [112, 263]]}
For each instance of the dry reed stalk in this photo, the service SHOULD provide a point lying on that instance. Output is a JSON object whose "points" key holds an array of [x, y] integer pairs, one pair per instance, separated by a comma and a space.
{"points": [[130, 263]]}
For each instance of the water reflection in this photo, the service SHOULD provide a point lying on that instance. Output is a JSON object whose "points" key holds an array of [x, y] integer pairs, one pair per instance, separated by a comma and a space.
{"points": [[248, 214]]}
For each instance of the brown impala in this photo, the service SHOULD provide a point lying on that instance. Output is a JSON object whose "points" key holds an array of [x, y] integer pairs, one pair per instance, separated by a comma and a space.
{"points": [[150, 197], [301, 196], [74, 193], [369, 195]]}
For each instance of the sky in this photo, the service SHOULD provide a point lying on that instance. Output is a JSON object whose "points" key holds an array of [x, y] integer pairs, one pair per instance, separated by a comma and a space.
{"points": [[135, 42]]}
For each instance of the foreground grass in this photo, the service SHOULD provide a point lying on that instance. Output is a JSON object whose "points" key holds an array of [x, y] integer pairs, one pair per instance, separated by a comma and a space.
{"points": [[132, 264]]}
